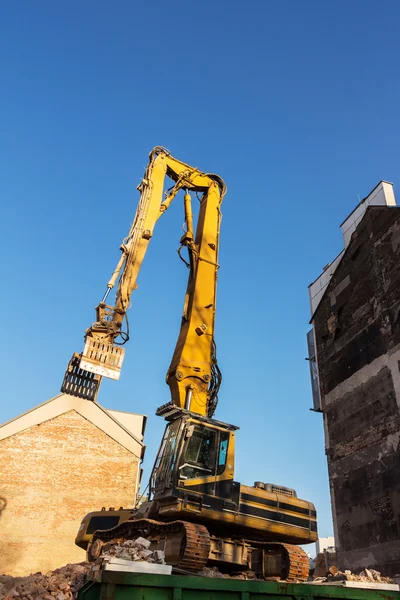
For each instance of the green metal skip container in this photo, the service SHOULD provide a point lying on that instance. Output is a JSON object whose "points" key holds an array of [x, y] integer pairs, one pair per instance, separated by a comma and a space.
{"points": [[111, 585]]}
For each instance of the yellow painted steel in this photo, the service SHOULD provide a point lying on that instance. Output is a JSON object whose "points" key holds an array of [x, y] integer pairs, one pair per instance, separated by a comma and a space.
{"points": [[255, 527], [190, 371]]}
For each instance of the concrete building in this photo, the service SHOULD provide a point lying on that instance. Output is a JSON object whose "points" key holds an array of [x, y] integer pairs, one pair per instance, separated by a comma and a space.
{"points": [[354, 351], [324, 544], [59, 461]]}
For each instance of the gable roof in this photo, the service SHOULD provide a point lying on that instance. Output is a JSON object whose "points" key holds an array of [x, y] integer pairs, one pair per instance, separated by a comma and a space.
{"points": [[126, 436]]}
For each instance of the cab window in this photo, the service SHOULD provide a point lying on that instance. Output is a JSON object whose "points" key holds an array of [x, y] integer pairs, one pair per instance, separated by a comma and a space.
{"points": [[222, 452], [200, 454]]}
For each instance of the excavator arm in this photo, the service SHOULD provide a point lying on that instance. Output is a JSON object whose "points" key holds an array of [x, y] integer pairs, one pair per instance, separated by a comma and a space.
{"points": [[193, 375]]}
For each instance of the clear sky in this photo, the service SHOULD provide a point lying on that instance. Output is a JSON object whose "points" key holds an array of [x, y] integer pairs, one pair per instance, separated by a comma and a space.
{"points": [[295, 104]]}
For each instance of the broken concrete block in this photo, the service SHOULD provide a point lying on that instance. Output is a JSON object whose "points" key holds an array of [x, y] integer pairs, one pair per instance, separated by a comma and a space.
{"points": [[145, 554], [140, 541], [159, 556]]}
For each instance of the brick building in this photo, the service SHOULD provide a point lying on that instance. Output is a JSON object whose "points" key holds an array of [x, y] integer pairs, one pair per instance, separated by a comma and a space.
{"points": [[354, 352], [60, 460]]}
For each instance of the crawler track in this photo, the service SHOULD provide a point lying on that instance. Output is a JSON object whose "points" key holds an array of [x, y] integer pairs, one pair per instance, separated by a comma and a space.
{"points": [[187, 544], [294, 561], [297, 562]]}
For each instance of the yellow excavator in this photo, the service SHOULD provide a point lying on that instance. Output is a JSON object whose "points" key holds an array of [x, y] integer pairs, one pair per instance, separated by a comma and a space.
{"points": [[196, 513]]}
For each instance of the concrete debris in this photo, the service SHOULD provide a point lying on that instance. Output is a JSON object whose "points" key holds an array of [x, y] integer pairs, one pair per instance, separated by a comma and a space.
{"points": [[159, 556], [366, 576], [64, 583], [142, 542], [323, 561], [214, 573], [61, 584], [135, 550]]}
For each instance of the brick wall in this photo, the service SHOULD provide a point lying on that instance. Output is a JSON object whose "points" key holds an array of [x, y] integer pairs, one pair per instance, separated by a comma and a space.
{"points": [[51, 475]]}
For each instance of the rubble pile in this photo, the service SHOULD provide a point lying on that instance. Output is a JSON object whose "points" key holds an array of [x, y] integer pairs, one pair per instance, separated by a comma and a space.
{"points": [[64, 583], [214, 573], [61, 584], [136, 550], [366, 576]]}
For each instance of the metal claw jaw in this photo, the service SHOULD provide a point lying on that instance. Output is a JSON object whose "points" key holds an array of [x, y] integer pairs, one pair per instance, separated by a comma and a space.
{"points": [[85, 371], [79, 382]]}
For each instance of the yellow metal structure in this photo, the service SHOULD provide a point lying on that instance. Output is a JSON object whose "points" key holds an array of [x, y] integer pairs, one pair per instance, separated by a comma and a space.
{"points": [[197, 511], [193, 374]]}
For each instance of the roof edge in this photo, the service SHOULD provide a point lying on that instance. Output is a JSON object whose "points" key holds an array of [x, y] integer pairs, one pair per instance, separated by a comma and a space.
{"points": [[364, 199], [344, 251], [332, 261], [92, 411]]}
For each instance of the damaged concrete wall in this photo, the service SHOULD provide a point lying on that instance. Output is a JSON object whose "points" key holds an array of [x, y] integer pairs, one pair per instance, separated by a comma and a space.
{"points": [[357, 332]]}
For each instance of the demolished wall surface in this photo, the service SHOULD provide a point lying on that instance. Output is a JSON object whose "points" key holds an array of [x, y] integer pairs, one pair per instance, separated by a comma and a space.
{"points": [[357, 332], [52, 474]]}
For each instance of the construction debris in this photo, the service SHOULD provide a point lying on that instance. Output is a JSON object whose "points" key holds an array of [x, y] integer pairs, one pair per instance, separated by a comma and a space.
{"points": [[213, 572], [64, 583], [61, 584], [323, 561], [132, 550], [366, 576]]}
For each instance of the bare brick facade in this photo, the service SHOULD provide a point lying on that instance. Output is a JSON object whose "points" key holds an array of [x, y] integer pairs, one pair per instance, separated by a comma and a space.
{"points": [[52, 474]]}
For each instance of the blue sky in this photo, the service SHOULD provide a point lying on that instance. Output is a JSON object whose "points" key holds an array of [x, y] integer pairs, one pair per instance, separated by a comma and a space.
{"points": [[295, 104]]}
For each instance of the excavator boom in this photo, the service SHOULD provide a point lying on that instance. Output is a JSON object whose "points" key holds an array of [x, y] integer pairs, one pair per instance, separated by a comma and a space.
{"points": [[193, 376]]}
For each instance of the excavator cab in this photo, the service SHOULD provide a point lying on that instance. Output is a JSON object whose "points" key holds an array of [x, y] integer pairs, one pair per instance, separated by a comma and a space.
{"points": [[195, 460]]}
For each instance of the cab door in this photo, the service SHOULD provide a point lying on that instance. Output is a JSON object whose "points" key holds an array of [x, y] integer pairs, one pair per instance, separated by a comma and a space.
{"points": [[206, 462]]}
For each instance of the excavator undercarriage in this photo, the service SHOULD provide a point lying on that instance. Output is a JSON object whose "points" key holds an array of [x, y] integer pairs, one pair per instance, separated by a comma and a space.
{"points": [[190, 547]]}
